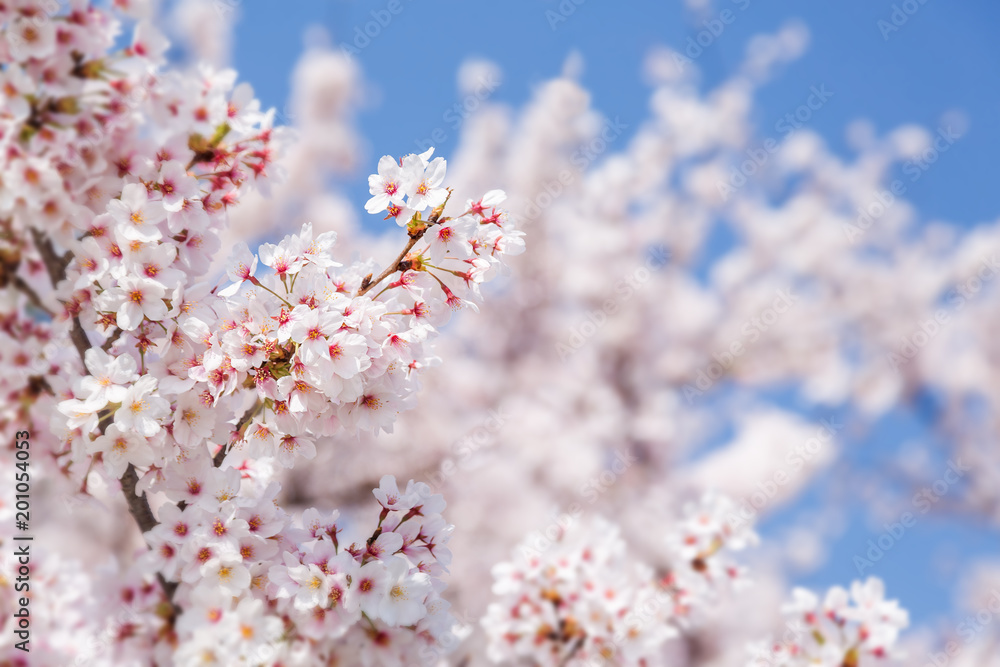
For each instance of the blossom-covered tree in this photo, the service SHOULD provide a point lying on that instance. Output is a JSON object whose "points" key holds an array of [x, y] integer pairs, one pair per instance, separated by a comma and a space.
{"points": [[243, 408], [118, 176], [650, 343]]}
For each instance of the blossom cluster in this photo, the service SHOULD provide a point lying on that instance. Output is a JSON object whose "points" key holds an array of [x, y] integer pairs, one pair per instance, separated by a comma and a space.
{"points": [[858, 628], [586, 600], [699, 550], [683, 359], [267, 587], [308, 349], [118, 175], [312, 352]]}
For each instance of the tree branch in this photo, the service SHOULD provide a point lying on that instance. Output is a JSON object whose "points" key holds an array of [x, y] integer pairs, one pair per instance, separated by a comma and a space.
{"points": [[79, 338], [56, 268], [240, 425], [32, 295], [54, 264], [415, 236], [138, 506], [392, 268]]}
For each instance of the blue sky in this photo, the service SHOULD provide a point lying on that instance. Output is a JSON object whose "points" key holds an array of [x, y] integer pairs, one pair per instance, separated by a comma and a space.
{"points": [[933, 65]]}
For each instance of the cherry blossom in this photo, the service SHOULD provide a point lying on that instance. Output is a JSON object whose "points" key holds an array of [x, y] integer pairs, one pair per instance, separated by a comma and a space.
{"points": [[388, 186], [108, 377], [141, 409], [835, 631], [238, 411], [121, 446], [578, 596], [137, 216]]}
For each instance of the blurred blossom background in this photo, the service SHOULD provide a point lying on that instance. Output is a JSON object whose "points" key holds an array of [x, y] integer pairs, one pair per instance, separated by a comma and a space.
{"points": [[762, 259]]}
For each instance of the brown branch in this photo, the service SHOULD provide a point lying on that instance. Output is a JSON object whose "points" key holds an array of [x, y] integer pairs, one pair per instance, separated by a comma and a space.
{"points": [[415, 235], [80, 340], [138, 506], [240, 425], [111, 339], [54, 264], [574, 649], [219, 457], [32, 295], [56, 267], [392, 268]]}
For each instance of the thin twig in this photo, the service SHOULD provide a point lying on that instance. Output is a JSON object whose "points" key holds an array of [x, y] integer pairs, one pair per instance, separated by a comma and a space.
{"points": [[414, 237], [577, 645], [393, 267]]}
